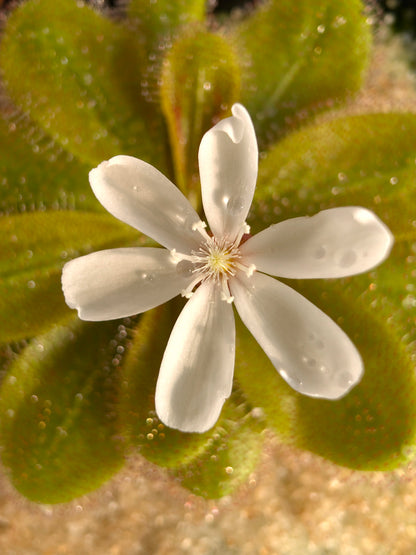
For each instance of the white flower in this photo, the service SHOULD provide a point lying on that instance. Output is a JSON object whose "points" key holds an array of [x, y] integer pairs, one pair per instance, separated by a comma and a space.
{"points": [[306, 347]]}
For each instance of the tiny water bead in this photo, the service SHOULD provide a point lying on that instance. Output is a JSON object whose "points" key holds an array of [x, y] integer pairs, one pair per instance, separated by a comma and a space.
{"points": [[320, 252], [234, 205], [347, 258], [184, 268]]}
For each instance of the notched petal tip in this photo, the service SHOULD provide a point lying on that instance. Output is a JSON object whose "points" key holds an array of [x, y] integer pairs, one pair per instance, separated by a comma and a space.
{"points": [[235, 126], [243, 116], [68, 287], [228, 163], [119, 160]]}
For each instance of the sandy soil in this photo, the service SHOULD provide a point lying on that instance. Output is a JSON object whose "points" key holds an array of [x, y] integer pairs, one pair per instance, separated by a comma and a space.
{"points": [[294, 504]]}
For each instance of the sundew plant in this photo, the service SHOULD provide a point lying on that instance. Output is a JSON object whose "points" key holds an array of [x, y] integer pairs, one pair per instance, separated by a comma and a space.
{"points": [[149, 82]]}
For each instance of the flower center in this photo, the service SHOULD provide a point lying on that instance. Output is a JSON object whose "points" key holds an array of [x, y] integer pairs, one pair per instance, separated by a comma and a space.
{"points": [[215, 259], [219, 262]]}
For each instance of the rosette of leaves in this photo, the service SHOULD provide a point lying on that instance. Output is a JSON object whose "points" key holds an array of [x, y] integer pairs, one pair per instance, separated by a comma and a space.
{"points": [[81, 86]]}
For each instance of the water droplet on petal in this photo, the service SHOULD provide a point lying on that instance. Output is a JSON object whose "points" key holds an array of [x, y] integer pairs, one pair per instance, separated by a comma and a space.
{"points": [[235, 205], [320, 252], [344, 379], [347, 258], [184, 268]]}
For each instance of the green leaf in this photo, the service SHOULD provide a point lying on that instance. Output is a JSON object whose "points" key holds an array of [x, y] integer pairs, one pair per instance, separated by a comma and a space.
{"points": [[58, 425], [36, 174], [159, 444], [300, 57], [200, 82], [34, 247], [366, 160], [78, 75], [233, 453], [159, 21]]}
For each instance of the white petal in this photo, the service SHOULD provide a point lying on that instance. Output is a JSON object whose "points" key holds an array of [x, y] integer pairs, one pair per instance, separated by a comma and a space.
{"points": [[228, 158], [139, 195], [333, 243], [306, 347], [115, 283], [197, 369]]}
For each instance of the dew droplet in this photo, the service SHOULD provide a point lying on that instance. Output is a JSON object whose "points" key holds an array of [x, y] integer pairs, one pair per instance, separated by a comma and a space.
{"points": [[344, 379], [34, 398], [235, 205], [61, 431], [409, 302], [347, 258], [257, 412], [31, 284], [339, 21], [184, 268], [320, 252]]}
